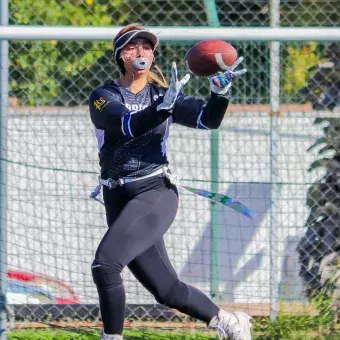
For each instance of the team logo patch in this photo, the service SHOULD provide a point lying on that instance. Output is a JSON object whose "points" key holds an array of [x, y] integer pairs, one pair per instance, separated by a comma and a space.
{"points": [[98, 103]]}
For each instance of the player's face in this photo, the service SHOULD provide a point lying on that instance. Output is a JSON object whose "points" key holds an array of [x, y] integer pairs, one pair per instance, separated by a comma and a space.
{"points": [[137, 48]]}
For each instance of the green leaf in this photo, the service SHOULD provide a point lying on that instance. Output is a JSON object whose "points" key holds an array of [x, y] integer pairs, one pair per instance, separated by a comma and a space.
{"points": [[326, 149], [319, 120], [328, 209], [319, 141], [330, 164]]}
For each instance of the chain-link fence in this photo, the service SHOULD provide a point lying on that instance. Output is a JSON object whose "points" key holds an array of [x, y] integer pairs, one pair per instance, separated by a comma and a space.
{"points": [[53, 230], [234, 13], [63, 73]]}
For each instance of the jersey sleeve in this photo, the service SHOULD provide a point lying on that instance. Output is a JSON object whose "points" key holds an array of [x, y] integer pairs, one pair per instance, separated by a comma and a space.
{"points": [[109, 114], [197, 113]]}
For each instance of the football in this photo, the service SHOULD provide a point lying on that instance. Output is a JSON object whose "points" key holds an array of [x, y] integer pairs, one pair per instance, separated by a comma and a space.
{"points": [[209, 57]]}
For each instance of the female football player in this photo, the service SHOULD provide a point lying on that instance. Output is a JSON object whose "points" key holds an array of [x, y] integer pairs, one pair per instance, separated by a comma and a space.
{"points": [[132, 117]]}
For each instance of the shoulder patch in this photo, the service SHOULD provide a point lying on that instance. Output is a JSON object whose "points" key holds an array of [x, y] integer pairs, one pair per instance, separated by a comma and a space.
{"points": [[98, 103]]}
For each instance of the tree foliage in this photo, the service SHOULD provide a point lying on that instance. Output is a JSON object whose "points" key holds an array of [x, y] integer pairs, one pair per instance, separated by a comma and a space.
{"points": [[321, 241], [299, 59], [42, 72]]}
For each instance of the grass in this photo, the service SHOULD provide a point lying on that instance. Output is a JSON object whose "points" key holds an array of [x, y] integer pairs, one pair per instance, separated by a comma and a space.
{"points": [[285, 327], [270, 333]]}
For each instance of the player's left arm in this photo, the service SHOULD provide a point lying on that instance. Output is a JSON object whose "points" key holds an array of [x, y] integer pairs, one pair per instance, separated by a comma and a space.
{"points": [[197, 113], [200, 114]]}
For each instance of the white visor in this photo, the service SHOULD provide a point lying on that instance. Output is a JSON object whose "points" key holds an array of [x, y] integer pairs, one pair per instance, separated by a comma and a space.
{"points": [[126, 38]]}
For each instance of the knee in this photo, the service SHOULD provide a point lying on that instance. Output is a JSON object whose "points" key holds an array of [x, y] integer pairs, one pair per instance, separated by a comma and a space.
{"points": [[175, 297], [105, 276]]}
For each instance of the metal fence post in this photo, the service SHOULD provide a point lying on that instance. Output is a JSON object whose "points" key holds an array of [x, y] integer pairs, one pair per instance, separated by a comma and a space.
{"points": [[274, 176], [213, 21], [3, 171]]}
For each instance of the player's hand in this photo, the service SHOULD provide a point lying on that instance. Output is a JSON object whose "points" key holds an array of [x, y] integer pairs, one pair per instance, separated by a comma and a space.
{"points": [[174, 89], [221, 82]]}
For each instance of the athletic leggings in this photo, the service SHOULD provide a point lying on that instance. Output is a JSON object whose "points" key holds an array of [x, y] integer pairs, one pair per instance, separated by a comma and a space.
{"points": [[138, 216]]}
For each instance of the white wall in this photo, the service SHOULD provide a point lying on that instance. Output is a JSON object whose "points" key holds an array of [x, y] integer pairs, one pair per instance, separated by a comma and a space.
{"points": [[53, 228]]}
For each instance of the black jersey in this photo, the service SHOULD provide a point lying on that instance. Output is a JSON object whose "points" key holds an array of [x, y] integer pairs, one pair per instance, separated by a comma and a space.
{"points": [[132, 134]]}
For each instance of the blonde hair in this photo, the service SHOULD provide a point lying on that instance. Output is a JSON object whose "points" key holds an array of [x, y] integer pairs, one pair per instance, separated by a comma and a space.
{"points": [[152, 77]]}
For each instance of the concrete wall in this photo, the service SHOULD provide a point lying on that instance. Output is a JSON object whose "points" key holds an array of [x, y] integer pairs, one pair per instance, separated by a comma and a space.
{"points": [[54, 229]]}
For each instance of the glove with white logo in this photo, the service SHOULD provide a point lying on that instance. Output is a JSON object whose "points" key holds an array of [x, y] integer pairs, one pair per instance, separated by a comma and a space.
{"points": [[221, 83], [174, 89]]}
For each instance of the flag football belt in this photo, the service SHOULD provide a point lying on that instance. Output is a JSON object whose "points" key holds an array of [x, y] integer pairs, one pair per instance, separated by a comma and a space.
{"points": [[175, 179], [111, 184]]}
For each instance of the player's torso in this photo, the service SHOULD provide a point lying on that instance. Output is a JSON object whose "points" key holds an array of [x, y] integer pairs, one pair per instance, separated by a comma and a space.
{"points": [[140, 155]]}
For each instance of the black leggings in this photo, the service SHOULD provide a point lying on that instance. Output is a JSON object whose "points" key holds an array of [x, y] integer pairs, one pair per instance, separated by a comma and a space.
{"points": [[138, 215]]}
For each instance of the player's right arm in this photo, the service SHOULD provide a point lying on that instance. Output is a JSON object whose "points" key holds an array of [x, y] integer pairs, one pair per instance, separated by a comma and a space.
{"points": [[109, 114], [195, 113]]}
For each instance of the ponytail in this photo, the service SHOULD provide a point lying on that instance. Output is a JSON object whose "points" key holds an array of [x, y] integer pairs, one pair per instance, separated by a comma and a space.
{"points": [[155, 79]]}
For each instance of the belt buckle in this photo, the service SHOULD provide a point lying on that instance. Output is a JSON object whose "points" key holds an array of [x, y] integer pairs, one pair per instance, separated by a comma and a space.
{"points": [[111, 184]]}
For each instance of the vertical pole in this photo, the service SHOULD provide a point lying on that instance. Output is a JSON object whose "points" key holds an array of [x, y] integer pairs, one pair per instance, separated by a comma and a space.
{"points": [[274, 176], [3, 170], [213, 21], [212, 14], [214, 224]]}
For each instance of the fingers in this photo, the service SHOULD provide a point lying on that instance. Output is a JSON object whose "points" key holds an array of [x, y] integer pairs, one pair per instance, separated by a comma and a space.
{"points": [[228, 76], [236, 63], [239, 73], [184, 80], [175, 84], [218, 80], [174, 76]]}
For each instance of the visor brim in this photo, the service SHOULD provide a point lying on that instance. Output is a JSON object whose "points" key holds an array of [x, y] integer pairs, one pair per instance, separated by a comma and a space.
{"points": [[127, 37]]}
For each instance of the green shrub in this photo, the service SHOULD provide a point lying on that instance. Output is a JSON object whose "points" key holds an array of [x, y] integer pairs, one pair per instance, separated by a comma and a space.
{"points": [[44, 72], [299, 59]]}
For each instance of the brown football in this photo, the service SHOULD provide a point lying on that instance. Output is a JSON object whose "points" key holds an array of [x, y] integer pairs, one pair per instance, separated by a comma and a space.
{"points": [[209, 57]]}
